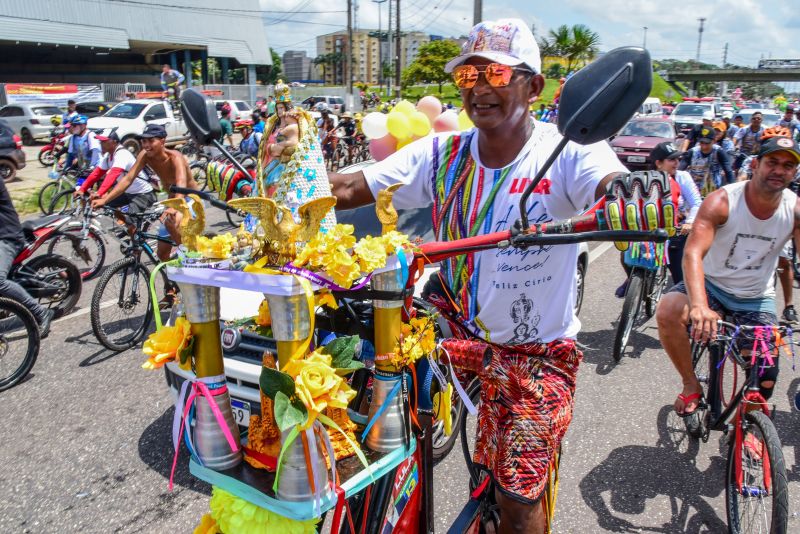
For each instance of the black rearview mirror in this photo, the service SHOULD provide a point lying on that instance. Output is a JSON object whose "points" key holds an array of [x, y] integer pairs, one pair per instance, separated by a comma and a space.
{"points": [[601, 97], [200, 115]]}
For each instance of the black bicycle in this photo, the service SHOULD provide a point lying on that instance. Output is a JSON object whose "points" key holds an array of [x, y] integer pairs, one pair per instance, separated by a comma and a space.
{"points": [[19, 342], [122, 306], [646, 284]]}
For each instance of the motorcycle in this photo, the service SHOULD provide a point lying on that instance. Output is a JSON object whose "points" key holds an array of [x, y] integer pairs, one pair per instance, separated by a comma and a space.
{"points": [[51, 279], [53, 150]]}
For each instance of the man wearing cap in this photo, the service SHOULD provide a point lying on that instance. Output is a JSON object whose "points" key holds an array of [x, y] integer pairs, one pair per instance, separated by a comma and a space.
{"points": [[748, 139], [116, 161], [708, 164], [729, 262], [521, 301], [694, 133], [172, 169], [736, 125]]}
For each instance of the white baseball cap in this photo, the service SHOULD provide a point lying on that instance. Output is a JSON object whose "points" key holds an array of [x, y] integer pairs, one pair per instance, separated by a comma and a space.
{"points": [[708, 115], [505, 41]]}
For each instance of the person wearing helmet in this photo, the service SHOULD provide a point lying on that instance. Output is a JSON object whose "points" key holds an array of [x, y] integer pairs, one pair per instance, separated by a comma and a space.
{"points": [[83, 150]]}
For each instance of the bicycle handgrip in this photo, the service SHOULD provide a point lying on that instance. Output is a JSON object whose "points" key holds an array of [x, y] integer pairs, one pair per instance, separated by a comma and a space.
{"points": [[430, 251], [466, 354]]}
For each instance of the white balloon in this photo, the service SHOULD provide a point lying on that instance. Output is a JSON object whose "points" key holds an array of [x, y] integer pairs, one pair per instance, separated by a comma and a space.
{"points": [[374, 125]]}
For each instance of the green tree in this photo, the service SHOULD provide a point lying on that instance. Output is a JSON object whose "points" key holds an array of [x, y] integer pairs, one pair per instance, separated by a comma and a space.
{"points": [[333, 61], [428, 67], [577, 44], [270, 75]]}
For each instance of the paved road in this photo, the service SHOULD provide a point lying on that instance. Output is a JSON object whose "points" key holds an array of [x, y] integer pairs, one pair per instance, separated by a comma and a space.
{"points": [[86, 444]]}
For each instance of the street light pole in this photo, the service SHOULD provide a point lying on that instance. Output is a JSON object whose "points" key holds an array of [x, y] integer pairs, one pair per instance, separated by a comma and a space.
{"points": [[380, 44], [644, 41]]}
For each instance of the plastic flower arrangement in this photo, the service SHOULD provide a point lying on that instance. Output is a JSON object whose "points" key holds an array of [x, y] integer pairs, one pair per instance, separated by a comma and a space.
{"points": [[232, 515], [168, 343], [217, 247], [344, 260], [417, 340], [305, 387], [263, 318]]}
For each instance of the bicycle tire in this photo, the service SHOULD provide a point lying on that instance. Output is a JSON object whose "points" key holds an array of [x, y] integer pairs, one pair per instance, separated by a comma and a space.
{"points": [[696, 423], [9, 308], [795, 263], [630, 312], [44, 199], [198, 170], [62, 202], [779, 517], [658, 283], [67, 298], [139, 328], [75, 255], [47, 158]]}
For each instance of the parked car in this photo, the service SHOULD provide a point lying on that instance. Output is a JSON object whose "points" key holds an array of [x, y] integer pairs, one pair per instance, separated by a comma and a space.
{"points": [[334, 103], [12, 157], [92, 109], [30, 121], [688, 114], [635, 141], [131, 116], [239, 109], [769, 117]]}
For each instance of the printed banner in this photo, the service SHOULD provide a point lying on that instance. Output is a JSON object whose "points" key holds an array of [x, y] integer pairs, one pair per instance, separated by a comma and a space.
{"points": [[56, 94]]}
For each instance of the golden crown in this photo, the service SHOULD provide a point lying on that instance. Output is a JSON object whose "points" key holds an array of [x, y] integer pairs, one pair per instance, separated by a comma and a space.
{"points": [[282, 92]]}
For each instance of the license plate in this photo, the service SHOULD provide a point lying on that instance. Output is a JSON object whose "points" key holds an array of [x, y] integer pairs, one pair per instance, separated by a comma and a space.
{"points": [[636, 159], [241, 412]]}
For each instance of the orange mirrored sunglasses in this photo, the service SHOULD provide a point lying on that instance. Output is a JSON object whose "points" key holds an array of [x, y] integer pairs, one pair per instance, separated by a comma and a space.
{"points": [[496, 74]]}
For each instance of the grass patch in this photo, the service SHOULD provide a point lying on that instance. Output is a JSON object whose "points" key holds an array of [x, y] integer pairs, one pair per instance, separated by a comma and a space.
{"points": [[27, 203]]}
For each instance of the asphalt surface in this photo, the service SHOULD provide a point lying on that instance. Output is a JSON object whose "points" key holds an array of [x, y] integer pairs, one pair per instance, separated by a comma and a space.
{"points": [[86, 441]]}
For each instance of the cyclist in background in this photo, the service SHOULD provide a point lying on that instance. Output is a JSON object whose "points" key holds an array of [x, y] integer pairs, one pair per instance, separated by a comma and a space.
{"points": [[258, 124], [83, 149], [118, 160], [729, 261], [737, 124], [695, 133], [70, 113], [251, 139], [748, 139], [226, 127], [348, 127], [708, 164], [171, 78]]}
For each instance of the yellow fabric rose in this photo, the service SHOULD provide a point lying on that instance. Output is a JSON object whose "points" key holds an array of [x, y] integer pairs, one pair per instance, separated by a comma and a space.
{"points": [[341, 267], [371, 253], [166, 344], [317, 385], [264, 318], [218, 247]]}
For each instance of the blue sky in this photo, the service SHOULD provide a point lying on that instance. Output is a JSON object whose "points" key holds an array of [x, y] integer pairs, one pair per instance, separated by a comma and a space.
{"points": [[750, 27]]}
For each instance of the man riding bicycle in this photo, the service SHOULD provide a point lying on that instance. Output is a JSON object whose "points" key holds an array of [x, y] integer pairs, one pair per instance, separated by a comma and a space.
{"points": [[520, 301], [118, 160], [171, 78], [83, 149], [729, 261]]}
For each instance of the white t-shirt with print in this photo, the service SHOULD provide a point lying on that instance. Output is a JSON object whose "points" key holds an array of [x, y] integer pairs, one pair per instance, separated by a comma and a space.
{"points": [[523, 296], [123, 159]]}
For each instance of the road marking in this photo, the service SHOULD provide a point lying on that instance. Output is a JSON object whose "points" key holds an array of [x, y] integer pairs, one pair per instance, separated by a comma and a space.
{"points": [[599, 250], [84, 311]]}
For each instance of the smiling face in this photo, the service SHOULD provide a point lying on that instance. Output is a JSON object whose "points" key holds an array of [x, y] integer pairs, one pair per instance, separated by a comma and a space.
{"points": [[492, 108], [774, 171], [152, 144]]}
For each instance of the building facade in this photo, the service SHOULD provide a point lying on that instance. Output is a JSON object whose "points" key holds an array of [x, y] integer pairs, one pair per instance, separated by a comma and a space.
{"points": [[298, 67]]}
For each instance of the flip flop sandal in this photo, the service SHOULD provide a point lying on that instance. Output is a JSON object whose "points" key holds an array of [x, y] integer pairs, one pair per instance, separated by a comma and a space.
{"points": [[686, 400]]}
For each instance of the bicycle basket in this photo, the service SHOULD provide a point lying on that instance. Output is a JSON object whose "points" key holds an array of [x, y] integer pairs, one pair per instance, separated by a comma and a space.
{"points": [[646, 255]]}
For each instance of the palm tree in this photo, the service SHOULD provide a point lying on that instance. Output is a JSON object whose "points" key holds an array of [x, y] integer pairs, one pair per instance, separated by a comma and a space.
{"points": [[576, 44]]}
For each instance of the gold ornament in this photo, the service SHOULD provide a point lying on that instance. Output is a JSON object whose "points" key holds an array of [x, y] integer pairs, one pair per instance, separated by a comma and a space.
{"points": [[384, 209], [191, 227]]}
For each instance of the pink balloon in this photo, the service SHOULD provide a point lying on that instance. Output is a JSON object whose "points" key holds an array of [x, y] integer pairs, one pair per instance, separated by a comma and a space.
{"points": [[446, 122], [430, 106], [383, 147]]}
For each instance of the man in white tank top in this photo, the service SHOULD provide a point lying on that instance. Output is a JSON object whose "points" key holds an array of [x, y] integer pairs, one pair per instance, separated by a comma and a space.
{"points": [[729, 262]]}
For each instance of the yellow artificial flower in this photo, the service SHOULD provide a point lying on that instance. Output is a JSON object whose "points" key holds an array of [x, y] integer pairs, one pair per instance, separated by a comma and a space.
{"points": [[317, 385], [237, 516], [417, 339], [166, 344], [312, 252], [394, 240], [325, 298], [371, 253], [207, 525], [342, 233], [341, 267], [263, 318], [218, 247]]}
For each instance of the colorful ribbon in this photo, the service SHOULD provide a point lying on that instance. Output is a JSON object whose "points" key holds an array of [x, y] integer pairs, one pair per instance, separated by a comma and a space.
{"points": [[200, 387], [459, 389]]}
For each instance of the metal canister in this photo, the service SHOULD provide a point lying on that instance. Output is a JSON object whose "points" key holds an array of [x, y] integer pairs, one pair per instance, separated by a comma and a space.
{"points": [[388, 431], [210, 443], [290, 317], [294, 483], [387, 317]]}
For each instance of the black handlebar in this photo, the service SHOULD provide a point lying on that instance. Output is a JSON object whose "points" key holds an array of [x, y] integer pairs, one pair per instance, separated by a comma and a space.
{"points": [[526, 240]]}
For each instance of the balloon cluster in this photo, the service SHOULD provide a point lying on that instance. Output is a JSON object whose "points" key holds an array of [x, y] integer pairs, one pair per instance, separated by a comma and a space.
{"points": [[406, 123]]}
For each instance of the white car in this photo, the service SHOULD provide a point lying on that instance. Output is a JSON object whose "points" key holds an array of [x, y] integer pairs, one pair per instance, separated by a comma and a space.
{"points": [[334, 103], [239, 109], [769, 117], [131, 116], [30, 121], [688, 114]]}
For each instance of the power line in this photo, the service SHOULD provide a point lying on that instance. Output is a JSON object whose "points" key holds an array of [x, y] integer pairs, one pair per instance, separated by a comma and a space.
{"points": [[295, 21]]}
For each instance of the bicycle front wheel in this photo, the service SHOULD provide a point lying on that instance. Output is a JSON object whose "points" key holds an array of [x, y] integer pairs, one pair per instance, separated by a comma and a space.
{"points": [[63, 201], [630, 311], [46, 195], [658, 283], [88, 254], [121, 305], [19, 342], [761, 502]]}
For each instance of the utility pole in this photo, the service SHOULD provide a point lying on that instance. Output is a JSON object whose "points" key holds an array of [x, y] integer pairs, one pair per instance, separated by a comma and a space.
{"points": [[477, 11], [699, 38], [349, 49], [399, 52], [380, 44], [723, 86], [390, 48], [644, 40]]}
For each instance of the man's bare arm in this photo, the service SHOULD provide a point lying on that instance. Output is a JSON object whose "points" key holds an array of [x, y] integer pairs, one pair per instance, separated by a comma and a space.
{"points": [[351, 190], [128, 179]]}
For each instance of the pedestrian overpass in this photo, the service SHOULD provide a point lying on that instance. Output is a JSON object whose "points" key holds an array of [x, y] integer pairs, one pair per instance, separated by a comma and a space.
{"points": [[733, 75]]}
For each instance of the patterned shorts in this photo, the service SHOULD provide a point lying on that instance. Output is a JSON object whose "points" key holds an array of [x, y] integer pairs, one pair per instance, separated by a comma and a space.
{"points": [[525, 410]]}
